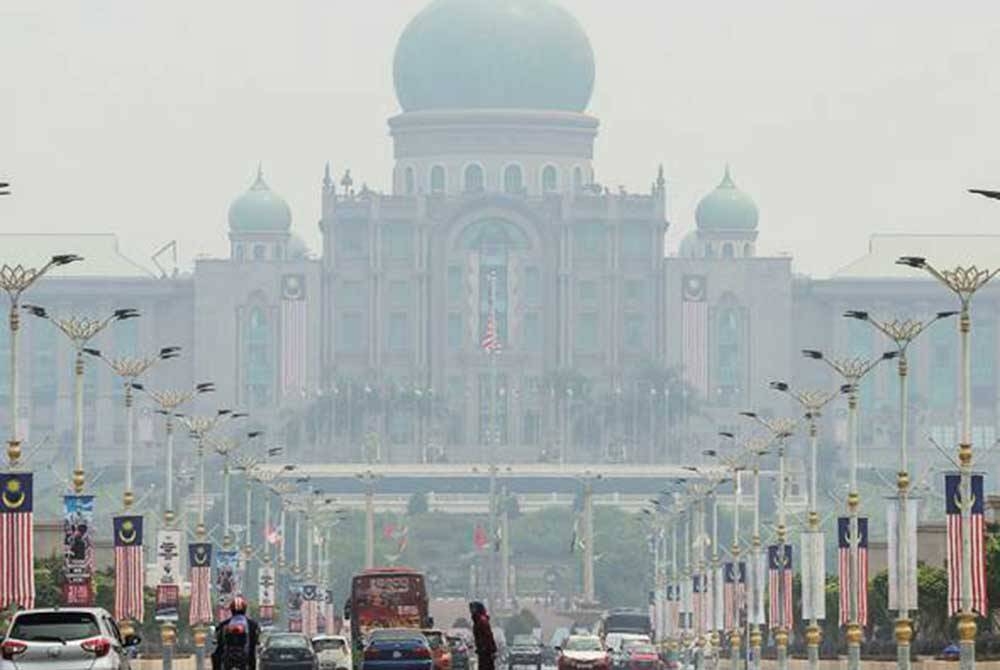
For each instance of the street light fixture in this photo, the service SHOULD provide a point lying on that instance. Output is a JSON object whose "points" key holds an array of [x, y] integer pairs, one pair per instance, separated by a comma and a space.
{"points": [[902, 333], [129, 369], [964, 282], [80, 330], [15, 280]]}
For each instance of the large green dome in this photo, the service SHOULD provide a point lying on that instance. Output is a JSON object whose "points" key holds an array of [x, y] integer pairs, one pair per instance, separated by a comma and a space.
{"points": [[499, 54], [260, 210], [727, 208]]}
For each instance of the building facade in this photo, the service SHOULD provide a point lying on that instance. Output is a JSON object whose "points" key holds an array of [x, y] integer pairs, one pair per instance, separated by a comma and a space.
{"points": [[611, 347]]}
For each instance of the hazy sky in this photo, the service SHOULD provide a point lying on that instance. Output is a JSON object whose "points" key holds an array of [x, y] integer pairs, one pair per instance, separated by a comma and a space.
{"points": [[841, 118]]}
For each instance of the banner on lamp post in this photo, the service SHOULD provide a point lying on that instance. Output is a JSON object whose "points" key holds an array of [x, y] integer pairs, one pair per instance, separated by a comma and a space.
{"points": [[813, 564], [909, 536], [168, 564], [78, 550]]}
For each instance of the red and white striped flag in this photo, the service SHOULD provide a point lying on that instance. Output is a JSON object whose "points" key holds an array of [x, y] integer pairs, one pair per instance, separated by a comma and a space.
{"points": [[17, 547], [673, 608], [200, 562], [310, 609], [491, 340], [953, 508], [328, 613], [294, 333], [734, 593], [694, 333], [843, 563], [129, 568], [779, 565]]}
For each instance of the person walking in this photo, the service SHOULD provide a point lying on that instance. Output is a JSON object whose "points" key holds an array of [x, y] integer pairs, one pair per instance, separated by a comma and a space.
{"points": [[486, 646], [236, 639]]}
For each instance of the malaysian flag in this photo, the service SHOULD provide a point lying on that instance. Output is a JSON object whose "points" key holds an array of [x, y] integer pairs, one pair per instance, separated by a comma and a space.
{"points": [[328, 613], [734, 592], [673, 610], [779, 565], [843, 563], [294, 325], [310, 609], [953, 507], [491, 339], [17, 547], [697, 603], [129, 568], [694, 336], [200, 563]]}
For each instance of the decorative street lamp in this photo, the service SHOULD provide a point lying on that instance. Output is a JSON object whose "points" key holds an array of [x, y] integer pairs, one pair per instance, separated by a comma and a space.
{"points": [[852, 371], [813, 563], [130, 368], [964, 282], [902, 333], [15, 280], [201, 428], [368, 478], [80, 330], [780, 430]]}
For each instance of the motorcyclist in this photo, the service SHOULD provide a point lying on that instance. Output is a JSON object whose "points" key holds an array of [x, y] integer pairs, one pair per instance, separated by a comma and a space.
{"points": [[236, 639]]}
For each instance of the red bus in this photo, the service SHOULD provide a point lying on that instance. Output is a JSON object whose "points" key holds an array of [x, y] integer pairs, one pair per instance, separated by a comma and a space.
{"points": [[386, 598]]}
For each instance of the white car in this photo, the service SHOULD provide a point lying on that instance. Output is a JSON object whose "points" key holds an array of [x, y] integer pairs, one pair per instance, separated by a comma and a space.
{"points": [[71, 638], [333, 652]]}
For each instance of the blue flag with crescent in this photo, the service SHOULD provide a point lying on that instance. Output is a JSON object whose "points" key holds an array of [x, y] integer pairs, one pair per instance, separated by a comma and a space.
{"points": [[844, 532], [200, 555], [953, 493], [128, 531], [16, 492]]}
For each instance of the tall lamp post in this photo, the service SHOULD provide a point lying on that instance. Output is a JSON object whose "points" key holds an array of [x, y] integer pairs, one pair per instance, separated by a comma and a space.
{"points": [[15, 280], [369, 477], [80, 330], [902, 333], [964, 282], [129, 369], [780, 430], [852, 371], [813, 563]]}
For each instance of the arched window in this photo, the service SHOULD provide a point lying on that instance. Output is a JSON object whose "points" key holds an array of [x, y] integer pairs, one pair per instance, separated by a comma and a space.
{"points": [[729, 354], [727, 250], [550, 179], [437, 179], [259, 252], [474, 178], [410, 181], [258, 364], [513, 181], [577, 178]]}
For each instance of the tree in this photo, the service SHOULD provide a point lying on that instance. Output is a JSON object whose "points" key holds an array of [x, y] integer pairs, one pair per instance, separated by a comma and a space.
{"points": [[417, 504]]}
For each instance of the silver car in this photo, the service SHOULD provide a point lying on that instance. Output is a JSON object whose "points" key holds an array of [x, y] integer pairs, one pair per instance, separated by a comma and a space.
{"points": [[72, 638]]}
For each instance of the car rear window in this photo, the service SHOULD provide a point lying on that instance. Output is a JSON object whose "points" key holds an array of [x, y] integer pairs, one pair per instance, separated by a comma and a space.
{"points": [[326, 645], [287, 642], [54, 626]]}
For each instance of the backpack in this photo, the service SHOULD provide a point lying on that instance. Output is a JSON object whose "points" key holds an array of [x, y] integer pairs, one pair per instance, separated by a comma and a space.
{"points": [[236, 643]]}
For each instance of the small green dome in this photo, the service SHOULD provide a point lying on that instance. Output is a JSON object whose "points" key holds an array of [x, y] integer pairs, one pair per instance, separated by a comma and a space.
{"points": [[260, 210], [494, 54], [727, 208]]}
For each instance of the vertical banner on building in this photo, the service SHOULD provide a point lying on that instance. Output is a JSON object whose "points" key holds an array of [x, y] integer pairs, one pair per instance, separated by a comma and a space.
{"points": [[672, 607], [227, 580], [844, 542], [329, 613], [130, 568], [908, 536], [17, 547], [953, 508], [200, 569], [294, 327], [310, 609], [694, 340], [168, 563], [295, 607], [78, 550], [813, 570], [265, 595]]}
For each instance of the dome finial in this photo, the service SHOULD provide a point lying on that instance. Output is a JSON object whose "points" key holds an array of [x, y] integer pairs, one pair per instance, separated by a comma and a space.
{"points": [[727, 179], [259, 183]]}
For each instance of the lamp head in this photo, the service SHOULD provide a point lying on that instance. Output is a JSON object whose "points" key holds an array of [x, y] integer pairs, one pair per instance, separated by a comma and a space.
{"points": [[124, 314], [749, 415], [223, 412], [254, 433], [240, 415], [889, 355], [846, 388], [35, 310], [204, 387], [92, 352], [137, 385], [725, 433], [856, 314], [65, 259], [709, 452], [944, 315], [780, 386], [918, 262], [812, 353]]}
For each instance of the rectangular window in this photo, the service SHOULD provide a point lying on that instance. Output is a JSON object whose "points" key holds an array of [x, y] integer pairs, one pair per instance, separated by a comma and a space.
{"points": [[531, 428], [455, 292], [636, 241], [456, 410], [455, 331], [531, 334], [397, 240], [351, 332], [635, 291], [352, 294], [586, 332], [352, 238], [590, 240], [399, 294], [587, 292], [532, 285], [398, 335], [635, 333]]}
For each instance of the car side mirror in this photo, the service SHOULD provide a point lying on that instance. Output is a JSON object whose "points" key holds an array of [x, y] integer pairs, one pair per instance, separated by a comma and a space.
{"points": [[132, 641]]}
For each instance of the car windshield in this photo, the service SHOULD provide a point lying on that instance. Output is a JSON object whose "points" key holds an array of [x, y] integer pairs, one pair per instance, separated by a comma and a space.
{"points": [[524, 641], [54, 626], [583, 644], [327, 644], [287, 642]]}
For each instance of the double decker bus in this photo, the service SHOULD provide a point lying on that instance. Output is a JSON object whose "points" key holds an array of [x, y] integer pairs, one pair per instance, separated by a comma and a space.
{"points": [[386, 598]]}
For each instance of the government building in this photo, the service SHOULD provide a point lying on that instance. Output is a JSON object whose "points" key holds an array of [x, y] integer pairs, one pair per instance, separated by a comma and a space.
{"points": [[610, 346]]}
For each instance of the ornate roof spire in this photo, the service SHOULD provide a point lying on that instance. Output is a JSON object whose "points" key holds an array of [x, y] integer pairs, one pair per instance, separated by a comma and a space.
{"points": [[259, 183], [327, 180], [660, 179], [727, 179]]}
